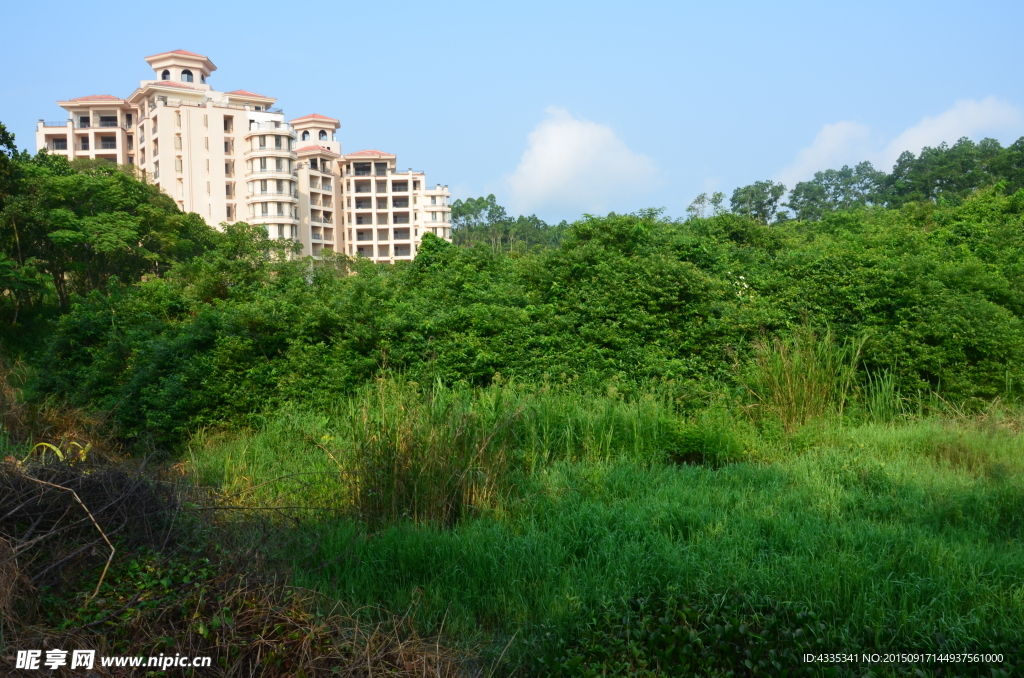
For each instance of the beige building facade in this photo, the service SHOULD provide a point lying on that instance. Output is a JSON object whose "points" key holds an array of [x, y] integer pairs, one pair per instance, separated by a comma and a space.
{"points": [[232, 156]]}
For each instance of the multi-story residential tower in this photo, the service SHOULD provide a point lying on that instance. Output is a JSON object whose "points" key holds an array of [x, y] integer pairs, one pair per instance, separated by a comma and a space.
{"points": [[387, 212], [230, 156]]}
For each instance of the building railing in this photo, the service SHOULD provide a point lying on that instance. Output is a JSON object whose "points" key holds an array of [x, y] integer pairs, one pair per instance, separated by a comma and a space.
{"points": [[360, 173], [291, 194], [400, 204], [324, 187], [279, 149], [108, 145], [317, 236], [268, 170], [63, 123], [282, 128]]}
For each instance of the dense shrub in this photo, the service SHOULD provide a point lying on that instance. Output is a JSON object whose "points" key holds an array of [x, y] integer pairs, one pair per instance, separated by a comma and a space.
{"points": [[623, 300]]}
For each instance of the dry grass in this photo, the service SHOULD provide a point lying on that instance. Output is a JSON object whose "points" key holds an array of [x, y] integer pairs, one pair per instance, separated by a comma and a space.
{"points": [[172, 589], [27, 424]]}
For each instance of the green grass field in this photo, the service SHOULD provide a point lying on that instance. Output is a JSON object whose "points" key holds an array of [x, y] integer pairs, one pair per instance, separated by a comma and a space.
{"points": [[567, 509]]}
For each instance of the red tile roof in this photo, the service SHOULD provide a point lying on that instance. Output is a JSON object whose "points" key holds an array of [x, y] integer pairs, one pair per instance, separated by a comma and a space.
{"points": [[316, 116], [247, 93], [178, 51], [369, 152], [316, 149], [97, 97]]}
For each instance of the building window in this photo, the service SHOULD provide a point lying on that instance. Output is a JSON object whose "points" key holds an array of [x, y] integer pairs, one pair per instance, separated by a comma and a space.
{"points": [[85, 143], [60, 144], [230, 212], [166, 75], [177, 164], [202, 78], [265, 208], [323, 135], [108, 142], [305, 135], [229, 123], [186, 75], [433, 200], [257, 108]]}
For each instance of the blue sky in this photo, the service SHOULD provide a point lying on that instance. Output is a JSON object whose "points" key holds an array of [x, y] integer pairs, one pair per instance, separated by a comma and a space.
{"points": [[561, 108]]}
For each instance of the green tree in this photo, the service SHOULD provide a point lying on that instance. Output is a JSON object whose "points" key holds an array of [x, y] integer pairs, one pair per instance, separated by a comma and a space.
{"points": [[832, 190], [83, 223], [759, 201]]}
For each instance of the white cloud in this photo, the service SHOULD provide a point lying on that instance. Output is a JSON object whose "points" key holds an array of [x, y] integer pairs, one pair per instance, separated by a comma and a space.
{"points": [[572, 165], [847, 143]]}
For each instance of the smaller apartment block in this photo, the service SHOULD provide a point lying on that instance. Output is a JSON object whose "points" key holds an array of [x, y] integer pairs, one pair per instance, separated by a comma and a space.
{"points": [[232, 156], [387, 211]]}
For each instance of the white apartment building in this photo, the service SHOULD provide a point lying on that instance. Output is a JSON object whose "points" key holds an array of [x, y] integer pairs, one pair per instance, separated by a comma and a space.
{"points": [[231, 156], [387, 211]]}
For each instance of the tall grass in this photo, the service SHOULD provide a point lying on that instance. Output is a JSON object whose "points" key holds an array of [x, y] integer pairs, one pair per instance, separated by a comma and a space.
{"points": [[427, 458], [801, 377], [397, 451]]}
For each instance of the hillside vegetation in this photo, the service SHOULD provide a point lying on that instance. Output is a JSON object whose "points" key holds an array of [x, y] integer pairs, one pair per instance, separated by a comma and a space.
{"points": [[629, 445]]}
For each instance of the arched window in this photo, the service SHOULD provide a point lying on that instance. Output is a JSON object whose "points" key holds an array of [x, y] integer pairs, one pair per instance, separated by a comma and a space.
{"points": [[323, 135], [202, 78], [305, 135], [186, 75], [166, 75]]}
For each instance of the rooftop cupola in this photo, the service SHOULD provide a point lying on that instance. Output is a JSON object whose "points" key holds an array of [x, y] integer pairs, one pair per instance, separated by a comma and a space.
{"points": [[181, 66]]}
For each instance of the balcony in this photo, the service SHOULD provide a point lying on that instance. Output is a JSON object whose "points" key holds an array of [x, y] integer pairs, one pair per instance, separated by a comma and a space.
{"points": [[401, 218], [325, 187], [317, 236], [363, 188], [108, 144], [291, 194], [364, 236], [276, 128], [271, 170], [400, 203], [401, 234]]}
